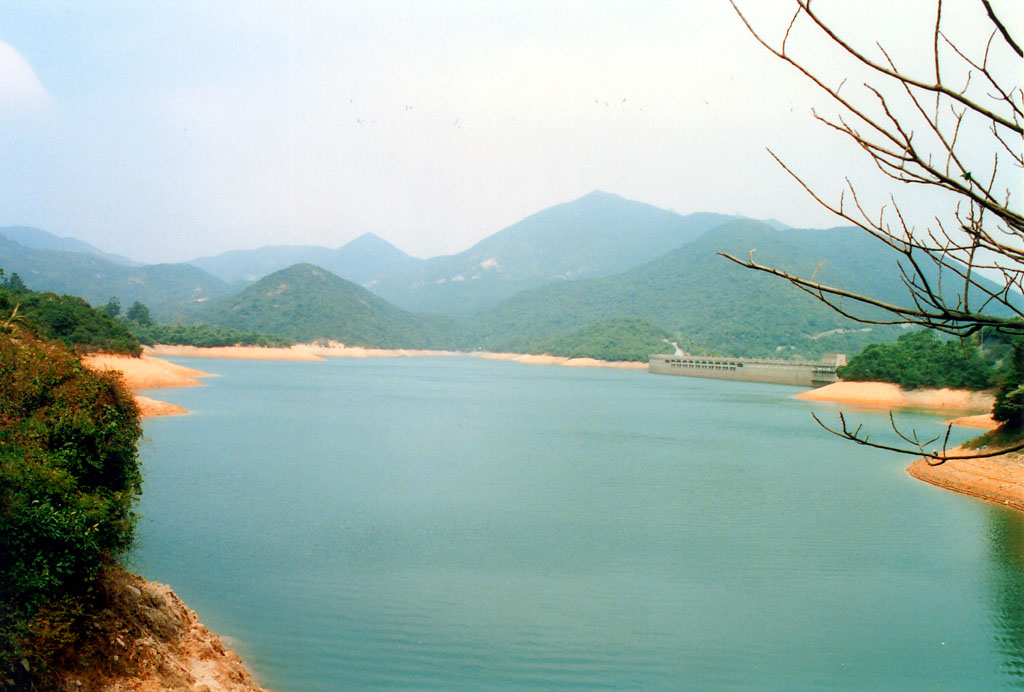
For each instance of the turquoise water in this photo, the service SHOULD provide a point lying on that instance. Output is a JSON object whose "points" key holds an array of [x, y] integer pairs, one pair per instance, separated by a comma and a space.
{"points": [[458, 524]]}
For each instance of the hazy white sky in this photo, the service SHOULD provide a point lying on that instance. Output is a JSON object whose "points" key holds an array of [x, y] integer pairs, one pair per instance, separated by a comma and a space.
{"points": [[168, 131]]}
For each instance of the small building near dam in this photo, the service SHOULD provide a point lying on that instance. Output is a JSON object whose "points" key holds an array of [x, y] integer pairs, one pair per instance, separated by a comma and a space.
{"points": [[797, 372]]}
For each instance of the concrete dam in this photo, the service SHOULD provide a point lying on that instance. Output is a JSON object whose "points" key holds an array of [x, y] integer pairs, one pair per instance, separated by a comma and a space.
{"points": [[797, 372]]}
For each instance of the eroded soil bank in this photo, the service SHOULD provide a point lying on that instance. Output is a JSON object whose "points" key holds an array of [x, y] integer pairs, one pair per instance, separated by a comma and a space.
{"points": [[147, 640]]}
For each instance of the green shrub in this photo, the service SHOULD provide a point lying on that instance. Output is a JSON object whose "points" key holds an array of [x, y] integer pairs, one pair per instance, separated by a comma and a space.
{"points": [[920, 359], [201, 335], [1009, 403], [68, 319], [69, 477]]}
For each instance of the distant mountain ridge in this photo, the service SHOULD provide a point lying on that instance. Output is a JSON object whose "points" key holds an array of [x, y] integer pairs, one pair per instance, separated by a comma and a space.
{"points": [[361, 260], [614, 275], [596, 235], [713, 304], [170, 290], [39, 239]]}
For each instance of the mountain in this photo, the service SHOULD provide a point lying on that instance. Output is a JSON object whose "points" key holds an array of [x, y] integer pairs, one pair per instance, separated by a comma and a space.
{"points": [[43, 240], [362, 260], [169, 290], [713, 304], [369, 257], [305, 303], [596, 235]]}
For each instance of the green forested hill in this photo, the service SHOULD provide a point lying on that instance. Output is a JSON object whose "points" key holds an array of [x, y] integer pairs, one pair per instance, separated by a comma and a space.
{"points": [[618, 338], [572, 274], [305, 302], [920, 359], [170, 290], [690, 295], [711, 303], [596, 235]]}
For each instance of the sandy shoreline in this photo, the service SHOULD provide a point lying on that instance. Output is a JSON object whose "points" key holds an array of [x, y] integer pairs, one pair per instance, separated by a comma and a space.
{"points": [[886, 395], [999, 480], [336, 350], [883, 395], [147, 372], [150, 371]]}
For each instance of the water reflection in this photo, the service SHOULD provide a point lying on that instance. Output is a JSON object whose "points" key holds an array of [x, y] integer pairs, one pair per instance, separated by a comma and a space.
{"points": [[1006, 546]]}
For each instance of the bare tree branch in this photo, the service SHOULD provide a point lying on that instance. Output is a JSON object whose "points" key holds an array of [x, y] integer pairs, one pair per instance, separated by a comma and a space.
{"points": [[913, 130], [934, 457]]}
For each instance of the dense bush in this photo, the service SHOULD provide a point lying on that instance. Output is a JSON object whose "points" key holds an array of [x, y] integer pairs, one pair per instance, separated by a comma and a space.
{"points": [[622, 338], [68, 319], [201, 335], [1009, 403], [69, 476], [920, 359]]}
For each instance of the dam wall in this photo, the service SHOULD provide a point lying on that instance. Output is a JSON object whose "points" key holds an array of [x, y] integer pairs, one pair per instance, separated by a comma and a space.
{"points": [[796, 372]]}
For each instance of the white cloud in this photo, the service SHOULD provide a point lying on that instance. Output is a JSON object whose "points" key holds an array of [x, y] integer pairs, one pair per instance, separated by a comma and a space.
{"points": [[21, 92]]}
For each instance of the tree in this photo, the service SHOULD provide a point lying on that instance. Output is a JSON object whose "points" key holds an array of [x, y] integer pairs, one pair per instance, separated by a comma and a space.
{"points": [[1009, 405], [14, 284], [920, 359], [922, 131], [139, 313], [113, 307]]}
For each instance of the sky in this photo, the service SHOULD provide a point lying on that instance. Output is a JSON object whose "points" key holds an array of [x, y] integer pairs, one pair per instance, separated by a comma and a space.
{"points": [[170, 131]]}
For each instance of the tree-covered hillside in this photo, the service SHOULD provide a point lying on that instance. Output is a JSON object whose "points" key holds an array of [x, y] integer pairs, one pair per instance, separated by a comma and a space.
{"points": [[921, 359], [596, 235], [670, 277], [305, 303], [618, 338], [67, 319], [708, 302], [170, 290]]}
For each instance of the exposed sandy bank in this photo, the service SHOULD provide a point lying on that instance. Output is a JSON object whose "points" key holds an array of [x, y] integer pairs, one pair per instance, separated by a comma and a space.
{"points": [[154, 407], [147, 640], [885, 395], [982, 421], [996, 479], [147, 373], [534, 359], [299, 352]]}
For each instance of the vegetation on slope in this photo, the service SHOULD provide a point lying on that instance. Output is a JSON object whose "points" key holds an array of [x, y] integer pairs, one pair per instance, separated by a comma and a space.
{"points": [[69, 476], [306, 303], [67, 319], [618, 338], [171, 290], [714, 305], [202, 335], [597, 235], [920, 359]]}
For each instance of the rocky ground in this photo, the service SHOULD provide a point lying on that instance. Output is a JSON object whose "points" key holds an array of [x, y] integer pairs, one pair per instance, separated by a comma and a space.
{"points": [[147, 640]]}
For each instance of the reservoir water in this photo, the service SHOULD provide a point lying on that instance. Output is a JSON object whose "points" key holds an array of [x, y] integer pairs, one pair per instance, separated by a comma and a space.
{"points": [[460, 524]]}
